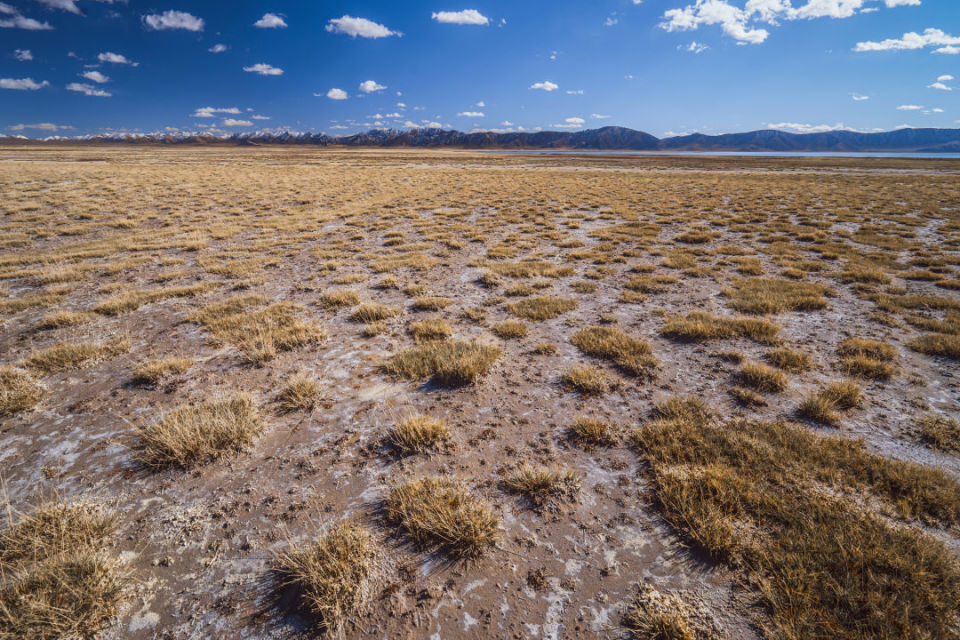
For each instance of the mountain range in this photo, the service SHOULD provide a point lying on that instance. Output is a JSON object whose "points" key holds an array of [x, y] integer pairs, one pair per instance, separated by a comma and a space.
{"points": [[603, 139]]}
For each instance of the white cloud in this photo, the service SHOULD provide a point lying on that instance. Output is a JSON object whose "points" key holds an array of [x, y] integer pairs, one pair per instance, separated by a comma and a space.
{"points": [[230, 122], [470, 114], [574, 92], [70, 5], [88, 90], [335, 94], [945, 78], [42, 126], [260, 117], [482, 104], [393, 115], [369, 86], [354, 27], [217, 48], [902, 3], [264, 69], [173, 20], [694, 47], [23, 55], [909, 107], [116, 58], [949, 50], [270, 21], [18, 21], [574, 120], [597, 116], [506, 123], [911, 41], [22, 84], [96, 76], [545, 86], [208, 112], [939, 86], [467, 16], [937, 110], [796, 127], [857, 97], [610, 21]]}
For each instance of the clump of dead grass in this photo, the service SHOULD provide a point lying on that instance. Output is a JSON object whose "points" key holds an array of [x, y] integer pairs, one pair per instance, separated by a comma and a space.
{"points": [[590, 432], [432, 329], [543, 485], [864, 358], [631, 355], [788, 360], [541, 307], [72, 355], [156, 371], [761, 378], [940, 432], [654, 615], [418, 434], [430, 303], [586, 379], [451, 363], [299, 393], [774, 295], [339, 298], [700, 326], [824, 405], [938, 344], [19, 391], [510, 329], [373, 312]]}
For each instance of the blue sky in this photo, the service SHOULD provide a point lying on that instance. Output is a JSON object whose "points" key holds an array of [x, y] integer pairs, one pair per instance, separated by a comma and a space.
{"points": [[76, 67]]}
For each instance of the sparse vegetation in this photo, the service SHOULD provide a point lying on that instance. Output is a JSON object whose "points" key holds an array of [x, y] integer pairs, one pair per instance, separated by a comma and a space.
{"points": [[510, 329], [418, 434], [543, 485], [940, 432], [586, 379], [590, 432], [19, 391], [541, 307], [867, 358], [450, 363], [632, 356], [699, 326], [156, 371], [299, 393]]}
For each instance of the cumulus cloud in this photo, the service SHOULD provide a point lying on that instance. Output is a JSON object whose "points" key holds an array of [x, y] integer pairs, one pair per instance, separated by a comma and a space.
{"points": [[902, 3], [470, 114], [545, 86], [911, 41], [369, 86], [910, 107], [574, 120], [264, 69], [940, 86], [95, 76], [88, 90], [335, 94], [859, 97], [208, 112], [217, 48], [949, 50], [270, 21], [41, 126], [354, 27], [23, 55], [944, 78], [694, 47], [797, 127], [22, 84], [230, 122], [467, 16], [15, 20], [116, 58], [173, 20]]}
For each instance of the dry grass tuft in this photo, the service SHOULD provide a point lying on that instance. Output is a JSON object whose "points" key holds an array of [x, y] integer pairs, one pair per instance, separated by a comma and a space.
{"points": [[340, 298], [432, 329], [541, 307], [135, 299], [510, 329], [938, 344], [586, 379], [653, 615], [418, 434], [788, 360], [61, 319], [543, 485], [300, 393], [823, 406], [762, 378], [631, 355], [590, 432], [19, 391], [334, 576], [431, 303], [201, 433], [940, 433], [450, 363], [867, 358], [773, 295], [700, 326], [373, 312], [441, 513], [156, 371], [68, 355]]}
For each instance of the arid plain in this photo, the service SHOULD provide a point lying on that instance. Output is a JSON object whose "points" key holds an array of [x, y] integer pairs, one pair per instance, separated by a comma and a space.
{"points": [[274, 392]]}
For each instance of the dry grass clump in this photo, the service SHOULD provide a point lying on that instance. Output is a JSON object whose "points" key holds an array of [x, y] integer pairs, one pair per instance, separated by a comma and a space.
{"points": [[510, 329], [451, 363], [441, 513], [418, 434], [432, 329], [431, 303], [156, 371], [543, 485], [762, 378], [61, 319], [867, 358], [373, 312], [747, 397], [530, 268], [590, 432], [339, 298], [788, 360], [682, 408], [699, 326], [774, 295], [133, 300], [71, 355], [19, 391], [260, 334], [541, 307], [200, 433], [938, 344], [823, 406], [825, 566], [586, 379], [333, 577], [940, 433], [631, 355], [654, 615], [299, 393], [545, 349], [55, 580]]}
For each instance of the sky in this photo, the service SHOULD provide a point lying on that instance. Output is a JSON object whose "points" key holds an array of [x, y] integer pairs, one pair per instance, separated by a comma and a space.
{"points": [[82, 67]]}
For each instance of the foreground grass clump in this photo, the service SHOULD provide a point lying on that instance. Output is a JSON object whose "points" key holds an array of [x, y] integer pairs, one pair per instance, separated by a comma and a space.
{"points": [[541, 307], [938, 344], [543, 485], [510, 329], [339, 298], [418, 434], [823, 406], [590, 432], [55, 580], [867, 358], [430, 303], [201, 433], [259, 334], [373, 312], [586, 379], [823, 565], [71, 355], [432, 329], [700, 326], [653, 615], [133, 300], [762, 378], [774, 295], [61, 319], [450, 363], [441, 513], [156, 371], [300, 393], [940, 433], [19, 391], [333, 577], [788, 360], [631, 355]]}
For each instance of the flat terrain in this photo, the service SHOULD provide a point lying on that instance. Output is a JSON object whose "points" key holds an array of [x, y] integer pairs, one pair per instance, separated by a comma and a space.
{"points": [[513, 396]]}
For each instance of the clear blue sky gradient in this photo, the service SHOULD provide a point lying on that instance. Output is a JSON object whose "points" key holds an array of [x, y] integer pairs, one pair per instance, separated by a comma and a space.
{"points": [[617, 53]]}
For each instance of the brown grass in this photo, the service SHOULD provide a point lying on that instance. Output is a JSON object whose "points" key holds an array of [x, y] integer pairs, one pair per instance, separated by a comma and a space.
{"points": [[586, 379], [543, 485], [867, 358], [430, 303], [938, 344], [299, 393], [432, 329], [700, 326], [372, 312], [451, 363], [590, 432], [19, 391], [135, 299], [632, 356], [762, 378], [72, 355], [653, 615], [418, 434], [788, 360], [61, 319], [339, 298], [510, 329], [772, 295], [940, 432], [156, 371], [541, 307]]}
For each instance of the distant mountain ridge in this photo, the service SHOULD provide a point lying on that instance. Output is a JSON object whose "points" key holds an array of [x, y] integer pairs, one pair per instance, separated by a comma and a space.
{"points": [[604, 139]]}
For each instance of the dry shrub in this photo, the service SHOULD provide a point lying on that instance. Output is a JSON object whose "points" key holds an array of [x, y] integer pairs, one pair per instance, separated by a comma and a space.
{"points": [[632, 356], [654, 615], [450, 363], [543, 485], [201, 433], [590, 432], [441, 513], [19, 391], [432, 329], [300, 393], [157, 371], [541, 307], [418, 434]]}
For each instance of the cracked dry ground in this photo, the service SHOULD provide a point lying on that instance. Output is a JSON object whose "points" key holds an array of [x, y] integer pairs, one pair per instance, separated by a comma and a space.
{"points": [[618, 369]]}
